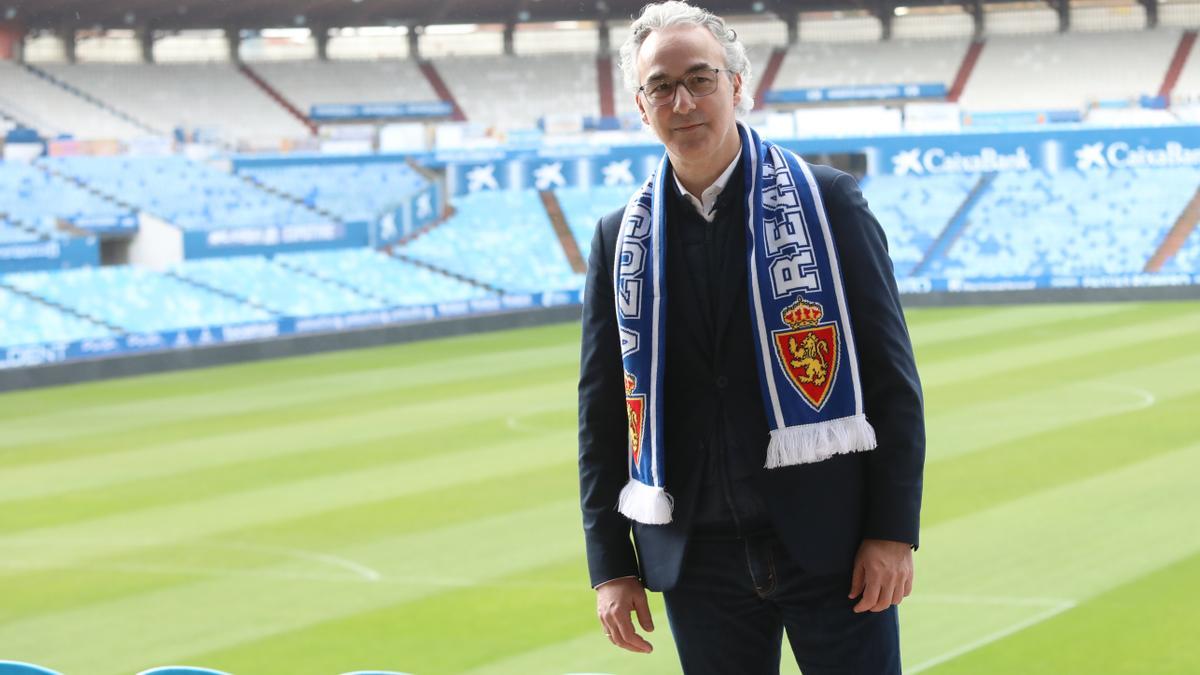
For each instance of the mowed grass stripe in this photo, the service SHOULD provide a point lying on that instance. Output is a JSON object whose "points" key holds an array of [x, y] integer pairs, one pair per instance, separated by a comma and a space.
{"points": [[1002, 336], [31, 592], [1021, 379], [1070, 542], [282, 437], [87, 540], [1145, 626], [474, 626], [226, 612], [118, 427], [972, 426], [970, 483], [419, 360], [259, 469], [1027, 353], [952, 610], [984, 322]]}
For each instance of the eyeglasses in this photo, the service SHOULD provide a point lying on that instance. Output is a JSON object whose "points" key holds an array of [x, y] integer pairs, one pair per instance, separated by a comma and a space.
{"points": [[699, 83]]}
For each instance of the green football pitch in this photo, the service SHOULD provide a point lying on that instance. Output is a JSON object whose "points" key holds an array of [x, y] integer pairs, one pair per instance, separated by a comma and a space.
{"points": [[414, 507]]}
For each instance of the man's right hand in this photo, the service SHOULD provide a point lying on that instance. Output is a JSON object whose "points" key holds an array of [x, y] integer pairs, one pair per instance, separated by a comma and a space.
{"points": [[615, 601]]}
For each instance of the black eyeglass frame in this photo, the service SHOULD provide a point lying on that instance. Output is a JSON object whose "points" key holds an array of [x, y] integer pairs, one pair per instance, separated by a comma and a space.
{"points": [[682, 81]]}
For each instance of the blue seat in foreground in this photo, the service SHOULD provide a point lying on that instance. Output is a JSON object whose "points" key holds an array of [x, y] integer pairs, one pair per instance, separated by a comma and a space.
{"points": [[21, 668]]}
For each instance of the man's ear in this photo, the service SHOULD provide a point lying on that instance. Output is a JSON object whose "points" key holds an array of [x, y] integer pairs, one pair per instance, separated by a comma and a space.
{"points": [[737, 89], [641, 106]]}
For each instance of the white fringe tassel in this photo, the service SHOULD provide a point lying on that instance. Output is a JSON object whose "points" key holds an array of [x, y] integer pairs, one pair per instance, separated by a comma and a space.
{"points": [[645, 504], [819, 441]]}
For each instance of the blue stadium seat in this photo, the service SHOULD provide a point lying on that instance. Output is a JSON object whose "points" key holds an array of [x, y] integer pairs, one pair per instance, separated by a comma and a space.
{"points": [[913, 211], [26, 322], [355, 191], [280, 289], [38, 199], [1034, 223], [391, 279], [22, 668], [503, 239], [584, 207], [189, 194], [135, 299]]}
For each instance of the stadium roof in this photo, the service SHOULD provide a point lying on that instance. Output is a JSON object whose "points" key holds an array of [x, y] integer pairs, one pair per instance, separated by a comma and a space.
{"points": [[184, 14]]}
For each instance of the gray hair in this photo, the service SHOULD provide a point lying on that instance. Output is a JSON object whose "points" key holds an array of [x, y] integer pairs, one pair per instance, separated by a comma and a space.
{"points": [[657, 16]]}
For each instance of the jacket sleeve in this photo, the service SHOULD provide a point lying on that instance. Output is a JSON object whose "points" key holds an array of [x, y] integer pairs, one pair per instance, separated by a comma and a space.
{"points": [[603, 427], [891, 387]]}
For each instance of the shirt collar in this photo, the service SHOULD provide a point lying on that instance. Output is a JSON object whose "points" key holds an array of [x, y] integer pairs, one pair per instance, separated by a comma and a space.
{"points": [[706, 204]]}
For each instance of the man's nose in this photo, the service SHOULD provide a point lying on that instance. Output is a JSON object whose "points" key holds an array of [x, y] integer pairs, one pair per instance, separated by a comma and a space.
{"points": [[684, 103]]}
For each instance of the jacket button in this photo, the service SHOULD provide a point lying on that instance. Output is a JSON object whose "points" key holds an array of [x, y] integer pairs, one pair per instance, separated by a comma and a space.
{"points": [[722, 382]]}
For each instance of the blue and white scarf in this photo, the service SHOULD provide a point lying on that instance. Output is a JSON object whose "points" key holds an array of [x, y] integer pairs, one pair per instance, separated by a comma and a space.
{"points": [[807, 365]]}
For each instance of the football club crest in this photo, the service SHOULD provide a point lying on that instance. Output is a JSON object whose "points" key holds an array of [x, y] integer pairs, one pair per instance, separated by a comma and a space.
{"points": [[635, 409], [809, 351]]}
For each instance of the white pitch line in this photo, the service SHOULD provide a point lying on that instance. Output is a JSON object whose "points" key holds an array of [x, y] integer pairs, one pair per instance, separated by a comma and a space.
{"points": [[991, 637], [1006, 601], [1147, 398], [359, 569]]}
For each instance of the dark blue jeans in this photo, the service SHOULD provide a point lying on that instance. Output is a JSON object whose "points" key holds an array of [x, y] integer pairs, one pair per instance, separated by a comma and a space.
{"points": [[736, 597]]}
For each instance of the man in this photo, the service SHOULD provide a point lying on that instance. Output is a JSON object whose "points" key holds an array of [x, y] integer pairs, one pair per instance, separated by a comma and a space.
{"points": [[741, 313]]}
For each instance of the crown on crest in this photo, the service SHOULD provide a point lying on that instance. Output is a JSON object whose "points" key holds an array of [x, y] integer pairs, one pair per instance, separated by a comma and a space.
{"points": [[802, 313], [630, 383]]}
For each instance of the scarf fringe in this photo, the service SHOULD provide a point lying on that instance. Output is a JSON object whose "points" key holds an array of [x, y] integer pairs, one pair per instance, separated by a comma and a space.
{"points": [[645, 503], [819, 441]]}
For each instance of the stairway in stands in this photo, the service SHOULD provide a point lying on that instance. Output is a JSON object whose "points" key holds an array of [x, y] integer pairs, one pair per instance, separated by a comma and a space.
{"points": [[1177, 236], [964, 70], [1186, 42], [767, 79], [439, 87], [278, 97], [955, 226]]}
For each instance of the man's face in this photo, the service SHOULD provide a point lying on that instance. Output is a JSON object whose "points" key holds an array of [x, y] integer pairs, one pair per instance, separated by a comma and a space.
{"points": [[693, 129]]}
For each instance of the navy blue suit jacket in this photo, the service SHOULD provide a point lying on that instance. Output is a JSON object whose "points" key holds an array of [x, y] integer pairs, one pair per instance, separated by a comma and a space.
{"points": [[820, 511]]}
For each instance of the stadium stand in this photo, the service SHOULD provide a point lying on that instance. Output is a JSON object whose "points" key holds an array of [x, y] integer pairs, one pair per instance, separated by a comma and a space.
{"points": [[1187, 259], [210, 97], [914, 210], [189, 194], [1188, 84], [309, 83], [24, 321], [503, 239], [14, 233], [36, 198], [584, 207], [396, 282], [132, 299], [1057, 71], [55, 111], [1097, 222], [496, 91], [832, 64], [353, 191], [278, 289]]}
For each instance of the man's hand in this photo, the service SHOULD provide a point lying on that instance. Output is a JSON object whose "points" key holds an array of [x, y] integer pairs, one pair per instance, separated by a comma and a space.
{"points": [[883, 574], [615, 600]]}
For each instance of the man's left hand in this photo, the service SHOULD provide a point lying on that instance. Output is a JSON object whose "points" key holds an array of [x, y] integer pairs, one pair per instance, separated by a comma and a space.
{"points": [[883, 574]]}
